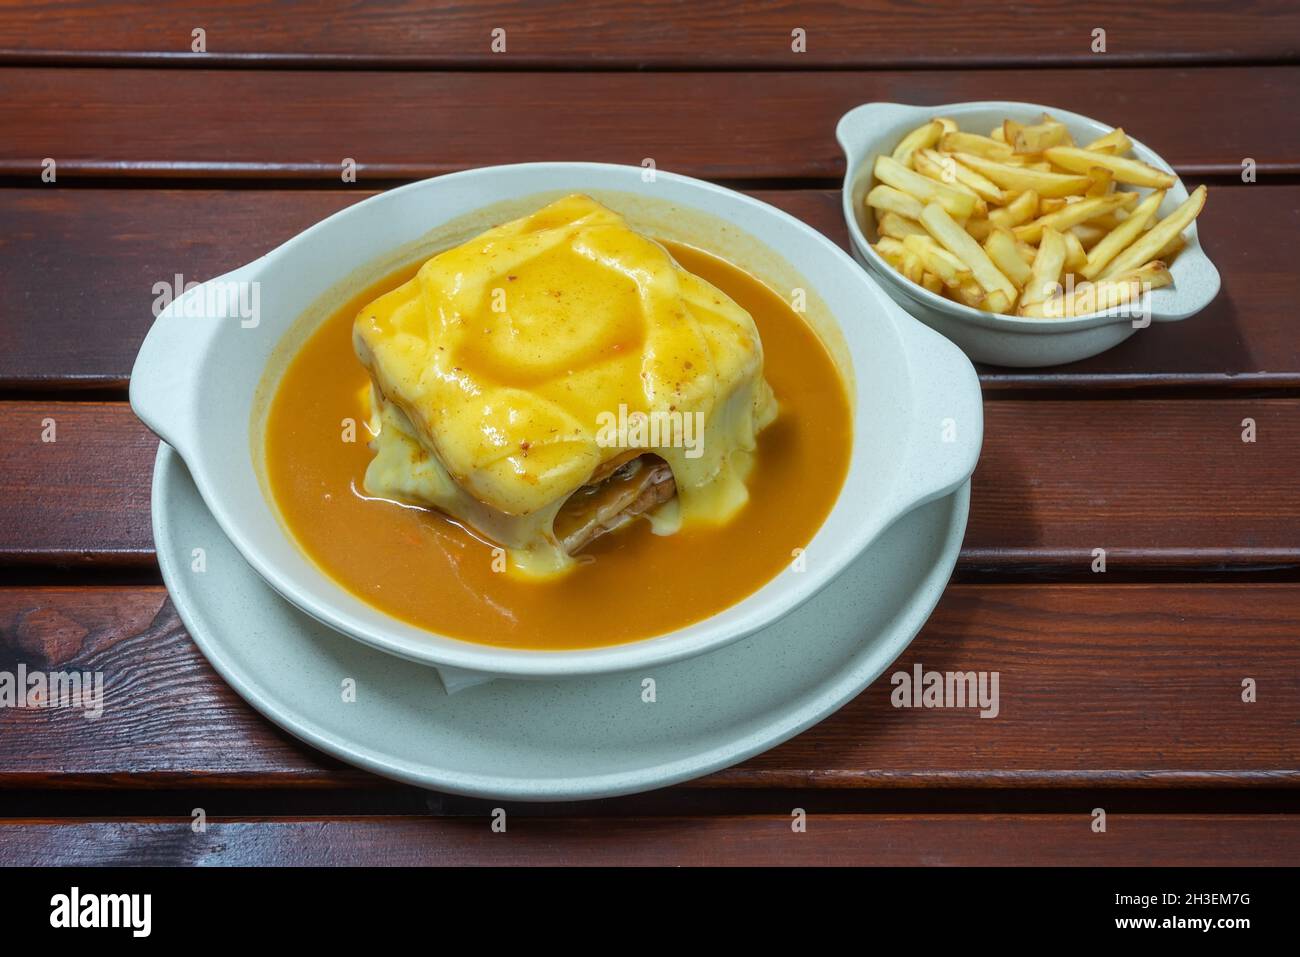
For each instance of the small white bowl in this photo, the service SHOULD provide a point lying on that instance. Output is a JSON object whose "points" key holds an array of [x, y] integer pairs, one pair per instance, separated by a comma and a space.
{"points": [[867, 131], [198, 382]]}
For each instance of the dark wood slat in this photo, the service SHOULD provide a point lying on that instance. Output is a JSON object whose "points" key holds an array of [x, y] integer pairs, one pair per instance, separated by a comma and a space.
{"points": [[652, 33], [56, 246], [132, 122], [78, 267], [1157, 483], [1186, 840], [80, 498], [1100, 686]]}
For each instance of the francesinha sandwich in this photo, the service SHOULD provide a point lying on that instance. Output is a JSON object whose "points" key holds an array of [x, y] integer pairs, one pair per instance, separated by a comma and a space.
{"points": [[557, 377]]}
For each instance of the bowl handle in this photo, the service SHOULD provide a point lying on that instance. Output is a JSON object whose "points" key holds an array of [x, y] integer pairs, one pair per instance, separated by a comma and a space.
{"points": [[948, 417], [164, 393]]}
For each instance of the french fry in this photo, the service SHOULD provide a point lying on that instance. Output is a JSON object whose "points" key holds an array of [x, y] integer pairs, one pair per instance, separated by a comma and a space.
{"points": [[913, 268], [892, 173], [1075, 256], [1036, 138], [1125, 170], [1115, 142], [1001, 249], [969, 293], [932, 282], [1145, 248], [891, 250], [899, 227], [1020, 210], [1086, 299], [1100, 180], [887, 199], [996, 301], [973, 143], [1110, 220], [1100, 256], [949, 125], [981, 186], [958, 242], [1045, 276], [1072, 214], [937, 260], [1024, 178], [923, 137], [998, 133], [943, 169], [1089, 234], [1154, 275], [1172, 249]]}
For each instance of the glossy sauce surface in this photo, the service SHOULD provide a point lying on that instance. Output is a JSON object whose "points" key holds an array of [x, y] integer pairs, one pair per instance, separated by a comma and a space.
{"points": [[420, 566]]}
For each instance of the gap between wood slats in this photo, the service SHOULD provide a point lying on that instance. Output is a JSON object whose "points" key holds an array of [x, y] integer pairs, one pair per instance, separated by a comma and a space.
{"points": [[163, 60], [877, 840], [391, 799]]}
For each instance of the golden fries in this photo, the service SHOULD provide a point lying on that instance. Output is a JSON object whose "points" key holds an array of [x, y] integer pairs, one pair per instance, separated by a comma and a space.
{"points": [[1025, 220], [921, 138], [886, 199], [958, 242], [963, 175], [1045, 276], [1121, 236], [1157, 236], [976, 145], [899, 227], [1072, 214], [1023, 177], [1001, 248], [1036, 138], [1116, 141], [1125, 170], [892, 173], [950, 270]]}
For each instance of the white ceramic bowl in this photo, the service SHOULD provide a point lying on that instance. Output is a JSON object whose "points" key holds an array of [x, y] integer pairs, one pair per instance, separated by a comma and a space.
{"points": [[917, 411], [867, 131]]}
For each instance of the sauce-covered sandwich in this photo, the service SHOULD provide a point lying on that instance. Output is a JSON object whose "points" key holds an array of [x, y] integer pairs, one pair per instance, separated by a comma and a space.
{"points": [[557, 377]]}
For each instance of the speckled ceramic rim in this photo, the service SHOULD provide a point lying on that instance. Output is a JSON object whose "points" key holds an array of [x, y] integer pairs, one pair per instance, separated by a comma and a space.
{"points": [[874, 128]]}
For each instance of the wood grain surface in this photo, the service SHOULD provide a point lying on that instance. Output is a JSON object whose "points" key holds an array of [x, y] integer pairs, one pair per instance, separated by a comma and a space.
{"points": [[78, 269], [1100, 686], [1123, 687], [1163, 483], [831, 840], [304, 124], [650, 33]]}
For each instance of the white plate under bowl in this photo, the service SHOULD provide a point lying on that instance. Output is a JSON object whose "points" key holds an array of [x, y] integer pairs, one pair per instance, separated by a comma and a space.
{"points": [[559, 739], [874, 128]]}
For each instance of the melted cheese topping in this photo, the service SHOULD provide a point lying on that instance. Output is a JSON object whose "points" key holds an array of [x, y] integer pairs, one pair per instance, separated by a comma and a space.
{"points": [[512, 368]]}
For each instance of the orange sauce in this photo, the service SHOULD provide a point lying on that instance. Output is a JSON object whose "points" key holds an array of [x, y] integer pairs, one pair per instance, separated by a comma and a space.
{"points": [[419, 566]]}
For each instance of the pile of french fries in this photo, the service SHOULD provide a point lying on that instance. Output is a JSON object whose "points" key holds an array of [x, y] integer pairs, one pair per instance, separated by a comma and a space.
{"points": [[1023, 221]]}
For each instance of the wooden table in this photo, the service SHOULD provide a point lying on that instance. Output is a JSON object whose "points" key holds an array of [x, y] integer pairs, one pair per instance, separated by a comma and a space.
{"points": [[1120, 690]]}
